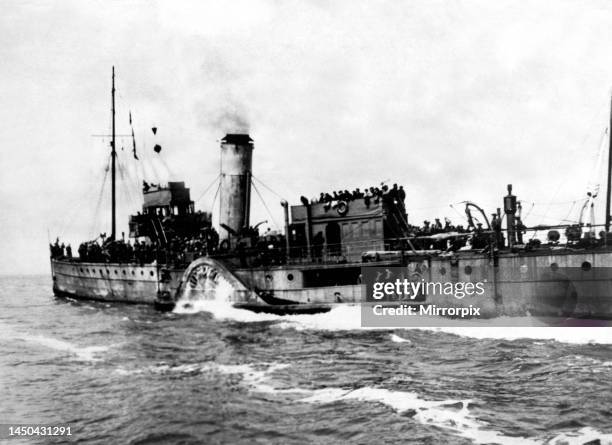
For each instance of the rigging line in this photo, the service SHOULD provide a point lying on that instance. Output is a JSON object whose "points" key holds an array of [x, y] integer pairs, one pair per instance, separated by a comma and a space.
{"points": [[556, 219], [458, 212], [208, 188], [260, 181], [69, 220], [412, 209], [215, 197], [127, 179], [529, 211], [570, 211], [578, 198], [97, 208], [126, 186], [132, 167], [265, 205], [571, 151]]}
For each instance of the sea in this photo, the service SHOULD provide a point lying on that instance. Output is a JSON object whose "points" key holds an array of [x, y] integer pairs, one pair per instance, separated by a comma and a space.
{"points": [[212, 374]]}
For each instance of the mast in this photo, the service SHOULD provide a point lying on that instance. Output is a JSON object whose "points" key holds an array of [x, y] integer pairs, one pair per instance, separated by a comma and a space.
{"points": [[113, 156], [607, 226]]}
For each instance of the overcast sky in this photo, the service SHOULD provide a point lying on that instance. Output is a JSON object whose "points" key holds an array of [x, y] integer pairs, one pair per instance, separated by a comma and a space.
{"points": [[452, 99]]}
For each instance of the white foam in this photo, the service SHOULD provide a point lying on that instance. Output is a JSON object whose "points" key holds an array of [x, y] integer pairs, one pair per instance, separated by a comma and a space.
{"points": [[575, 335], [87, 353], [580, 437], [221, 310], [452, 415], [254, 376], [444, 414], [347, 317], [398, 339]]}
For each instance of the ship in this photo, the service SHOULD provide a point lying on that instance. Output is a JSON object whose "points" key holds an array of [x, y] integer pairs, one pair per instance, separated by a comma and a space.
{"points": [[327, 246]]}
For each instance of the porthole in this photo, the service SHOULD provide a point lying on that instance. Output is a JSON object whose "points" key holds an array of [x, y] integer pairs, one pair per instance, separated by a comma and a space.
{"points": [[554, 267], [142, 272], [116, 273], [124, 272], [86, 270], [101, 272], [290, 277], [133, 273], [586, 266], [443, 270], [468, 270], [107, 271], [151, 273]]}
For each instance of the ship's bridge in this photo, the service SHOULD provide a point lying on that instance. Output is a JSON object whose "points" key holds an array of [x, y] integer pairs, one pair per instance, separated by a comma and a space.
{"points": [[167, 211], [343, 230], [173, 199]]}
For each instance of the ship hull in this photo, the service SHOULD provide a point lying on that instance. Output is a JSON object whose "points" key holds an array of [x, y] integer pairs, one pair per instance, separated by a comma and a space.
{"points": [[515, 284], [112, 282], [511, 287]]}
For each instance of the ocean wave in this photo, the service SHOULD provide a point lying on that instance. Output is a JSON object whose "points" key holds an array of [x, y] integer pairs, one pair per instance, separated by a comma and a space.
{"points": [[86, 353], [583, 436], [254, 376], [397, 339], [83, 353], [452, 415]]}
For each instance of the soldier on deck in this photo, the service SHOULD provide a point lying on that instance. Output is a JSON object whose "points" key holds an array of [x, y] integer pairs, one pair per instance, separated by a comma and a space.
{"points": [[401, 193]]}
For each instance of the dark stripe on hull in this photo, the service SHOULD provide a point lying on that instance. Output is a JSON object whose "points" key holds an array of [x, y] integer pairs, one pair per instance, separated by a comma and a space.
{"points": [[61, 294]]}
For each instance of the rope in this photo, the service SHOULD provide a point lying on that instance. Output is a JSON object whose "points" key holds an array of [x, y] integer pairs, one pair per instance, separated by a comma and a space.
{"points": [[215, 197], [557, 160], [127, 188], [570, 211], [259, 180], [462, 215], [69, 220], [208, 188], [265, 205], [97, 209]]}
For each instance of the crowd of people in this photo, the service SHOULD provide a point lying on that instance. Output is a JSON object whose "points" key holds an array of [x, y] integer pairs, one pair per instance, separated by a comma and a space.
{"points": [[60, 250], [104, 249], [369, 194], [428, 228]]}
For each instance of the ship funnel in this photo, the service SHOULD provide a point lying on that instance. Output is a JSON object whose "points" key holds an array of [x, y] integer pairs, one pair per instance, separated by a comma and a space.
{"points": [[235, 192]]}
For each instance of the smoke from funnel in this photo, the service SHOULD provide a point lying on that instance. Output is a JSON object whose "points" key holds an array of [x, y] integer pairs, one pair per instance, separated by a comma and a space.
{"points": [[224, 117]]}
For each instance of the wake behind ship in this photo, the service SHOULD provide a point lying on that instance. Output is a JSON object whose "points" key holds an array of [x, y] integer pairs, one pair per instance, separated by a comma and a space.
{"points": [[326, 247]]}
